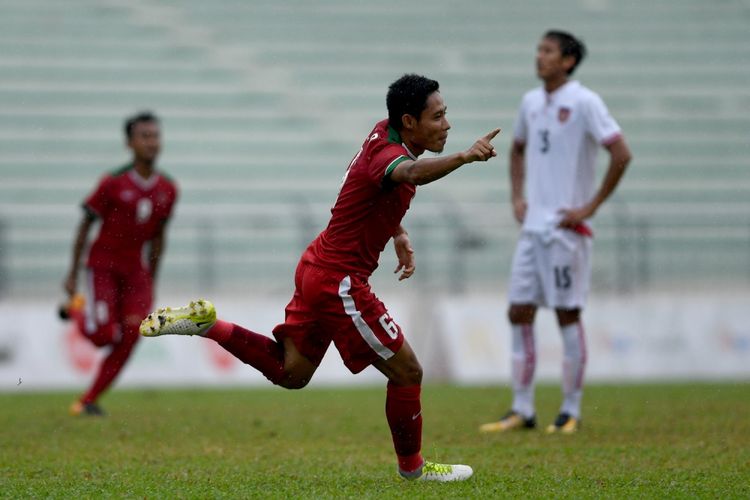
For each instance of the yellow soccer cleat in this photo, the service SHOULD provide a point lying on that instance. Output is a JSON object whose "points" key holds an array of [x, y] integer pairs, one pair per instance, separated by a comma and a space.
{"points": [[564, 424], [510, 421], [431, 471], [193, 319]]}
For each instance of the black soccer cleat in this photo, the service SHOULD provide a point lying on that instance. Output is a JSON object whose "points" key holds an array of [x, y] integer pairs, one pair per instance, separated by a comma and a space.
{"points": [[86, 409]]}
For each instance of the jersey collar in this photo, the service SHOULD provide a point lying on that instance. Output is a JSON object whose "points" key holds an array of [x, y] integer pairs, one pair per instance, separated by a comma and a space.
{"points": [[551, 96], [395, 138], [408, 151], [393, 135], [142, 183]]}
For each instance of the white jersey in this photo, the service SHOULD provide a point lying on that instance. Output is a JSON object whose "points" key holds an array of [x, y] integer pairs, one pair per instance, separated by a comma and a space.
{"points": [[562, 132]]}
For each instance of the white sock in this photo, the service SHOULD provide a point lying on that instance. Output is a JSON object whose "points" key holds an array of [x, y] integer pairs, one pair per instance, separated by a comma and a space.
{"points": [[523, 363], [574, 363]]}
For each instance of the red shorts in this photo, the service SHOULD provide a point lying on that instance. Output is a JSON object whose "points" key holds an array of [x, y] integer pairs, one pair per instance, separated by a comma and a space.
{"points": [[115, 301], [333, 306]]}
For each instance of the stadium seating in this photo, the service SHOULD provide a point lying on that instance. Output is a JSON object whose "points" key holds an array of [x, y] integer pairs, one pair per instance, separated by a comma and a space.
{"points": [[264, 103]]}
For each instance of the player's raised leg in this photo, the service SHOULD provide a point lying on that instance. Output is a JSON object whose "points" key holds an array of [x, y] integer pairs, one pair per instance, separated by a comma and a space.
{"points": [[279, 361], [109, 369]]}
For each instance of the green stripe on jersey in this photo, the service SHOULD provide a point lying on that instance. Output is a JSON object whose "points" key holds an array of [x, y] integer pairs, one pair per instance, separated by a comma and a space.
{"points": [[394, 164], [393, 136]]}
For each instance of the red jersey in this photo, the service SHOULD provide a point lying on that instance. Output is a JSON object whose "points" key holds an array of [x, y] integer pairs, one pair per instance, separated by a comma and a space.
{"points": [[369, 207], [131, 209]]}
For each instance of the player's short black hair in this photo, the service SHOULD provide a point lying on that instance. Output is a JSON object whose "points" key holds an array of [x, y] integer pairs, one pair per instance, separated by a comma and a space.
{"points": [[569, 46], [408, 96], [140, 117]]}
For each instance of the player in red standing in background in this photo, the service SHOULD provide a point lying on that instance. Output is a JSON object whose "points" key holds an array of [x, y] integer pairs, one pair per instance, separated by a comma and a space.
{"points": [[333, 301], [134, 204]]}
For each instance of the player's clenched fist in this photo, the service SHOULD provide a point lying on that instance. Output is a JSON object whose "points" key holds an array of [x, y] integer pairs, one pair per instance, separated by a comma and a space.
{"points": [[482, 150]]}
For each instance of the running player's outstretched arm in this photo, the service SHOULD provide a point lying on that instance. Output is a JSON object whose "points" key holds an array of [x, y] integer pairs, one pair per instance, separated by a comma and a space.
{"points": [[426, 170], [619, 158]]}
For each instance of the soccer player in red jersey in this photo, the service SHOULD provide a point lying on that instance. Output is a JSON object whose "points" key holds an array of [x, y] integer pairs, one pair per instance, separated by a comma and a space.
{"points": [[133, 204], [332, 300]]}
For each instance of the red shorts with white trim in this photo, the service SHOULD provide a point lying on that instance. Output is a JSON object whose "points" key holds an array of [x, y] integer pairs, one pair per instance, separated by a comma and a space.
{"points": [[333, 306], [115, 302]]}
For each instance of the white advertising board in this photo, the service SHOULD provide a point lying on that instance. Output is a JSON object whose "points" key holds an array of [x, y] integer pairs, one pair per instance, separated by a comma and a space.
{"points": [[458, 339]]}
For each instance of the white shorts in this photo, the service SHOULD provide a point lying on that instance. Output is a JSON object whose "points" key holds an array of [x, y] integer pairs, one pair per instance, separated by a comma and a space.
{"points": [[551, 270]]}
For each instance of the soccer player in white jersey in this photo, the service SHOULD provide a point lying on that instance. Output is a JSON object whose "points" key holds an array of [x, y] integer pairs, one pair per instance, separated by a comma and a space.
{"points": [[557, 134]]}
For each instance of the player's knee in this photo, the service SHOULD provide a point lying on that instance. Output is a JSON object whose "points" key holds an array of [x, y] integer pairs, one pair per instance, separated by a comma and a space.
{"points": [[567, 316], [409, 373], [415, 374], [295, 375], [293, 381], [521, 314], [103, 335]]}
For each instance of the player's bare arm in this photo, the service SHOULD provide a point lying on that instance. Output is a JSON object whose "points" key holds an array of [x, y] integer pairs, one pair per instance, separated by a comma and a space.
{"points": [[517, 179], [619, 158], [404, 253], [71, 281], [426, 170]]}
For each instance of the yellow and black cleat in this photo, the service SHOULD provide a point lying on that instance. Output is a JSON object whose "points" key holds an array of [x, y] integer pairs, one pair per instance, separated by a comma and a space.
{"points": [[509, 422], [564, 424]]}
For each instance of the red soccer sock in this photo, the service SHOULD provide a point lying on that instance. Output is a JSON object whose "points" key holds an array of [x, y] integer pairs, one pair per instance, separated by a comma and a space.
{"points": [[112, 365], [403, 410], [261, 352], [220, 332]]}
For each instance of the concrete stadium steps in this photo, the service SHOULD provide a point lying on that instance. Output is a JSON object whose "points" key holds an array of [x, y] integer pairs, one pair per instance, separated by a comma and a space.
{"points": [[258, 144], [239, 144], [135, 96], [242, 170], [44, 120], [264, 103], [72, 72]]}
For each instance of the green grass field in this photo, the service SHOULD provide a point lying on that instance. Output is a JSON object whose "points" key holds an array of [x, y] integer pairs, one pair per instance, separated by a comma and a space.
{"points": [[653, 441]]}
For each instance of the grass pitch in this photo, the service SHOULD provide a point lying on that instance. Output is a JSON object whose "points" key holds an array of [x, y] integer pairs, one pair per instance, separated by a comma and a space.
{"points": [[667, 441]]}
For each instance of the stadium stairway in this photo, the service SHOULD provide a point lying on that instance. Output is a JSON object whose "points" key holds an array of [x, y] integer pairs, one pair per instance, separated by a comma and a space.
{"points": [[264, 103]]}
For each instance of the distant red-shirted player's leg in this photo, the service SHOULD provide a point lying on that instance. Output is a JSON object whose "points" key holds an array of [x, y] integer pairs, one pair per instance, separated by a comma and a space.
{"points": [[403, 410], [261, 352], [134, 293], [113, 363]]}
